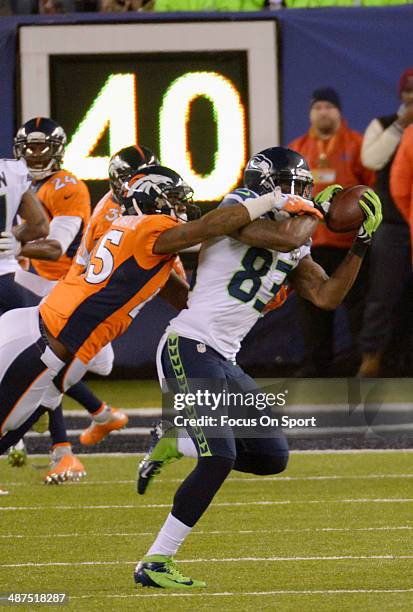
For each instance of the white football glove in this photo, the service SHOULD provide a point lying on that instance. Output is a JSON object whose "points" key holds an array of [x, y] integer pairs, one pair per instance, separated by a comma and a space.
{"points": [[9, 245]]}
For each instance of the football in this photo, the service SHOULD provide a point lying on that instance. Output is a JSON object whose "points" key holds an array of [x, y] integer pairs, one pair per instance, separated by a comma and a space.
{"points": [[345, 213]]}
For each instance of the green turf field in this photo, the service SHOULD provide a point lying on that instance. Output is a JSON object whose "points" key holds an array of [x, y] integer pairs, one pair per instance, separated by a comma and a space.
{"points": [[334, 533]]}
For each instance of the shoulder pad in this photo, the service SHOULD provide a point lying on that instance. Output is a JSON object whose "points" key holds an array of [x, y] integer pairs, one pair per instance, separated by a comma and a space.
{"points": [[237, 196]]}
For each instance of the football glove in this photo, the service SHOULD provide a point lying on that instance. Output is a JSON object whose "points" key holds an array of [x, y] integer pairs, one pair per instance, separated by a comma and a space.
{"points": [[296, 205], [322, 200], [371, 206], [9, 245]]}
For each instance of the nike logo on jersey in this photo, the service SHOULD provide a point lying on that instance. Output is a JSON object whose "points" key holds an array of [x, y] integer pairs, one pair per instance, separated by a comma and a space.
{"points": [[67, 197]]}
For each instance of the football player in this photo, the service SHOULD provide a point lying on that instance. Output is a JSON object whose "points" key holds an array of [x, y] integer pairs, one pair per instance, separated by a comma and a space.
{"points": [[128, 266], [40, 142], [123, 166], [16, 198], [237, 276]]}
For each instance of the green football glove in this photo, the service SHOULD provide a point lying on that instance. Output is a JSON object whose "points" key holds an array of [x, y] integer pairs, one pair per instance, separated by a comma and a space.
{"points": [[371, 206], [322, 201]]}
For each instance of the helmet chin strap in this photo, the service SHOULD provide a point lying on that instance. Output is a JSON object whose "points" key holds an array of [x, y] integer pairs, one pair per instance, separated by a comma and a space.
{"points": [[41, 173]]}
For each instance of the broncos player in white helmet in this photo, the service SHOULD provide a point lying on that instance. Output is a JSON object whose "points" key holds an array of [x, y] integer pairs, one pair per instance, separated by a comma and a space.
{"points": [[236, 277]]}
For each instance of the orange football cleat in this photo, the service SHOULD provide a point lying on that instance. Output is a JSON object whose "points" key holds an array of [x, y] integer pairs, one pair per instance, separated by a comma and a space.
{"points": [[97, 431], [65, 468]]}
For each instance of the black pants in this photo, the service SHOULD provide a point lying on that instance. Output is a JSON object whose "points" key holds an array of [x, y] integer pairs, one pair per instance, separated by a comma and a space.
{"points": [[389, 274], [318, 325], [198, 367], [12, 295], [190, 366]]}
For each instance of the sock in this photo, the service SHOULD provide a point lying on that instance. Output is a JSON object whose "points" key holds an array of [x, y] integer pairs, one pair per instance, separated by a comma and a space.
{"points": [[57, 426], [59, 450], [186, 446], [102, 415], [170, 537], [84, 396]]}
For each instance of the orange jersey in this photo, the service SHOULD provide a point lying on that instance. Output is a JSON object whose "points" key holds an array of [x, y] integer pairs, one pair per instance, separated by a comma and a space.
{"points": [[106, 211], [62, 194], [86, 312]]}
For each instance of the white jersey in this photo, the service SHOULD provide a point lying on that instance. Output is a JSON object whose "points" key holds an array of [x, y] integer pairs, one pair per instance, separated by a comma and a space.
{"points": [[233, 284], [14, 182]]}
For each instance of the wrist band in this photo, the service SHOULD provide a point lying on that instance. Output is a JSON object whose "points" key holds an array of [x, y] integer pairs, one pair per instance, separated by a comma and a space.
{"points": [[359, 248], [259, 206]]}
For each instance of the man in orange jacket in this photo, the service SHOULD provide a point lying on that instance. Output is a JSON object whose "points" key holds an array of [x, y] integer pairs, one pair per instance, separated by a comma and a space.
{"points": [[401, 177], [332, 151]]}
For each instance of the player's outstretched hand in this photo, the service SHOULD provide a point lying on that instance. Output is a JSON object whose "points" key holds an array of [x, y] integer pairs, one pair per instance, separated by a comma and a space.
{"points": [[9, 245], [296, 205], [323, 199], [371, 206]]}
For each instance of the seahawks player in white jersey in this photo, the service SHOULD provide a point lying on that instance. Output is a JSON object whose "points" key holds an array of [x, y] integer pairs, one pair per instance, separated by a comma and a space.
{"points": [[16, 198], [236, 277]]}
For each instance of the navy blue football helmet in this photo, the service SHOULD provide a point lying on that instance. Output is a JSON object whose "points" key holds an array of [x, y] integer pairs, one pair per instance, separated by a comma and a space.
{"points": [[279, 166]]}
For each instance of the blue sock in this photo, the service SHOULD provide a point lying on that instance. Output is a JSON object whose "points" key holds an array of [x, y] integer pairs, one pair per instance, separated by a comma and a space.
{"points": [[84, 396], [57, 426]]}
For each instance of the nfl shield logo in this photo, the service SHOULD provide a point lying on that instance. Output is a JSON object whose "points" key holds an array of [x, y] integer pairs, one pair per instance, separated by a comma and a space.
{"points": [[201, 348]]}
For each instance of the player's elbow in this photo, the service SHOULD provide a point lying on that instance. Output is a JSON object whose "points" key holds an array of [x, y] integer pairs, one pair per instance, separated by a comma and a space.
{"points": [[41, 229], [54, 250], [327, 302]]}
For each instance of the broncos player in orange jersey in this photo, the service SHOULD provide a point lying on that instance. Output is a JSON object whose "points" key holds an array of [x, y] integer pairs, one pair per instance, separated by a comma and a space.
{"points": [[122, 166], [129, 265], [41, 143]]}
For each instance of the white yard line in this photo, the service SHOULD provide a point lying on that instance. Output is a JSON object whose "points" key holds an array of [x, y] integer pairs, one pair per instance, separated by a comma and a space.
{"points": [[298, 432], [156, 411], [205, 594], [128, 431], [262, 479], [89, 534], [222, 560], [328, 451], [283, 502]]}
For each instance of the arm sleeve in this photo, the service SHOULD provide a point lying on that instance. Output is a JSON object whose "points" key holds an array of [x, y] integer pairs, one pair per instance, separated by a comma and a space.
{"points": [[379, 144], [64, 229], [401, 175]]}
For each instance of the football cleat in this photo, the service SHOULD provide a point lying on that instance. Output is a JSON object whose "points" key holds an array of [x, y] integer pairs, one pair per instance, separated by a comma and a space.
{"points": [[17, 457], [96, 432], [160, 571], [64, 468], [3, 492], [162, 450]]}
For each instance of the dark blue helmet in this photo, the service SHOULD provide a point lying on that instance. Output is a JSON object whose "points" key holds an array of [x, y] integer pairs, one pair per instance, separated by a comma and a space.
{"points": [[279, 166]]}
